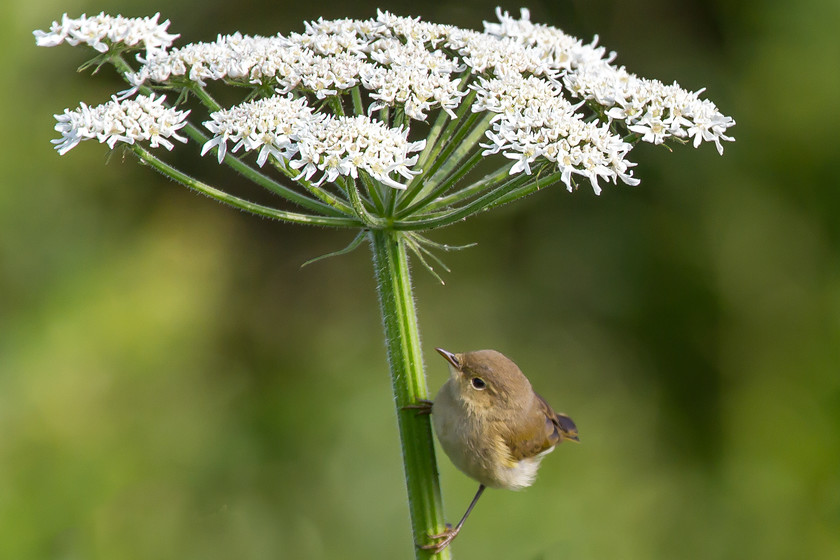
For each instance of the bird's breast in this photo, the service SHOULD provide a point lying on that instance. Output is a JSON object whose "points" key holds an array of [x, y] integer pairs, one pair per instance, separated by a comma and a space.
{"points": [[477, 448]]}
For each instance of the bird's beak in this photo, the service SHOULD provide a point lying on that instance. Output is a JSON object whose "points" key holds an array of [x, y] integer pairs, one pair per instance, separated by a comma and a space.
{"points": [[450, 357]]}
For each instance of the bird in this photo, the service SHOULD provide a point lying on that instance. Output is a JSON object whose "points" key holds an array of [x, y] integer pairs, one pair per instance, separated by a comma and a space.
{"points": [[492, 426]]}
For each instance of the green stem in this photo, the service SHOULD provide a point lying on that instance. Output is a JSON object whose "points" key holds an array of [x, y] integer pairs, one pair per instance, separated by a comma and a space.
{"points": [[269, 184], [465, 193], [321, 194], [237, 202], [205, 98], [327, 205], [402, 337], [518, 187], [444, 185], [359, 206]]}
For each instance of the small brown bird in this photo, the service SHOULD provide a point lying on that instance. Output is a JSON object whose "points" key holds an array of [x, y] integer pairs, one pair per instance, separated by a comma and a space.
{"points": [[493, 426]]}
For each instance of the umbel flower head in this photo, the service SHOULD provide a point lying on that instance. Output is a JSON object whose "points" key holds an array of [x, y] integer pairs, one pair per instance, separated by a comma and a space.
{"points": [[102, 31], [142, 119], [386, 122]]}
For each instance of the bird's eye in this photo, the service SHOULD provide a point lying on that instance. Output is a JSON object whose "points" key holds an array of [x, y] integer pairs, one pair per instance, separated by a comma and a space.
{"points": [[478, 383]]}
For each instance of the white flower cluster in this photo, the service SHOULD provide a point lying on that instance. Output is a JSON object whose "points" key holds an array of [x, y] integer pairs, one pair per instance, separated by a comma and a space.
{"points": [[144, 119], [648, 108], [526, 73], [559, 51], [314, 143], [413, 78], [342, 145], [268, 125], [534, 121], [103, 31], [325, 64], [252, 60], [554, 98]]}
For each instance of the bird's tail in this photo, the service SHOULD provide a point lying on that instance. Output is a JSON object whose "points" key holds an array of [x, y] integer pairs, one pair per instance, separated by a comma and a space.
{"points": [[568, 429]]}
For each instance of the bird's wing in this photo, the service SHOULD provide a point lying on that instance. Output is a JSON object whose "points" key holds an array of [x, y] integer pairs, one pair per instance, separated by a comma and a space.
{"points": [[542, 429]]}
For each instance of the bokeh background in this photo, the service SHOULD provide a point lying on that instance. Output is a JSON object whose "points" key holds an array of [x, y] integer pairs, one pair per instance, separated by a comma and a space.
{"points": [[173, 385]]}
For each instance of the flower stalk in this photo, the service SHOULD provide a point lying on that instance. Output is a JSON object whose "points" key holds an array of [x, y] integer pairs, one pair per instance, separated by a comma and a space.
{"points": [[405, 357]]}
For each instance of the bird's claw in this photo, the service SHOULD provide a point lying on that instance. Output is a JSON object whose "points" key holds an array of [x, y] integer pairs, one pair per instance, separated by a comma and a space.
{"points": [[444, 539], [422, 406]]}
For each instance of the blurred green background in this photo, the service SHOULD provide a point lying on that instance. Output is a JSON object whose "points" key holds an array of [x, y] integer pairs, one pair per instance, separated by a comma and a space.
{"points": [[173, 385]]}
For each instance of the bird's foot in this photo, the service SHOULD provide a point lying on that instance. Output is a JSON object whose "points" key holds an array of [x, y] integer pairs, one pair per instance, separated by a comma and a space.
{"points": [[422, 406], [443, 539]]}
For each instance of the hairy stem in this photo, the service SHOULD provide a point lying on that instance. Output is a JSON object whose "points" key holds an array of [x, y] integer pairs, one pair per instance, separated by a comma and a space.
{"points": [[224, 197], [402, 337]]}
